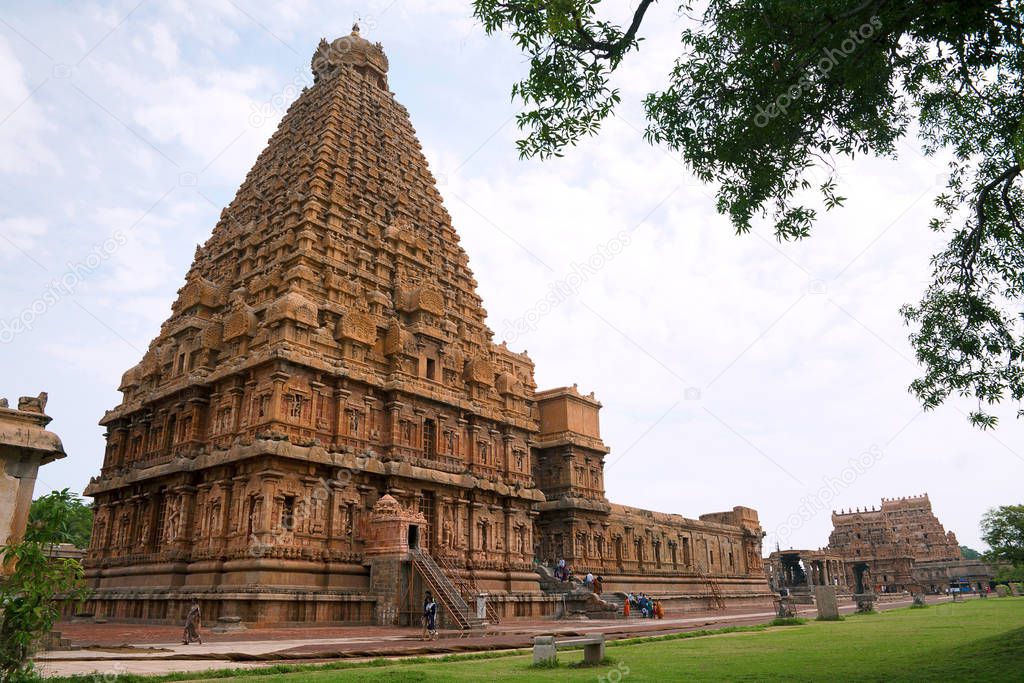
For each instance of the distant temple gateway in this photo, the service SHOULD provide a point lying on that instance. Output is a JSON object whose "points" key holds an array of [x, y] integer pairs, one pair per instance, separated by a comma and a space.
{"points": [[324, 428], [899, 546]]}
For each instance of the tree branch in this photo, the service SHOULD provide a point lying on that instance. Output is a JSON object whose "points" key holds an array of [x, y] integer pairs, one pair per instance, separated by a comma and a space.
{"points": [[606, 49], [972, 245]]}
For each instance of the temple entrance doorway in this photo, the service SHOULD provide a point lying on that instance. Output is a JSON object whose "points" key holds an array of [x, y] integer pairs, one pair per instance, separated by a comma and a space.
{"points": [[414, 537]]}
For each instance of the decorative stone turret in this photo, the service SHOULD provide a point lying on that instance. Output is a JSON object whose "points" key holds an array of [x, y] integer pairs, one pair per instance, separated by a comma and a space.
{"points": [[25, 445], [395, 530]]}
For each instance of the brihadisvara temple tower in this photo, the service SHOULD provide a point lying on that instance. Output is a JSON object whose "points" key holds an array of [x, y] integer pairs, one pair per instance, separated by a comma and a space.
{"points": [[324, 428]]}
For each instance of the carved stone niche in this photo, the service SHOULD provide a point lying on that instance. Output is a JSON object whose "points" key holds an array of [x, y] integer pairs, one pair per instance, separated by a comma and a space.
{"points": [[198, 291], [357, 327], [479, 370], [422, 298], [394, 529]]}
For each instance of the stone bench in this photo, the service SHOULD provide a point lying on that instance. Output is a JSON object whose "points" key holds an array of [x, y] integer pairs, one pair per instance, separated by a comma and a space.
{"points": [[545, 648]]}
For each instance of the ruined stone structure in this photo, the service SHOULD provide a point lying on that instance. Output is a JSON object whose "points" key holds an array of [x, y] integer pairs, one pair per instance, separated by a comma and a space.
{"points": [[799, 571], [326, 400], [889, 541], [25, 446]]}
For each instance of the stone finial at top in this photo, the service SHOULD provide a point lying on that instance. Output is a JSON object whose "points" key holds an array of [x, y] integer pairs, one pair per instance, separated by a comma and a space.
{"points": [[353, 50], [28, 404]]}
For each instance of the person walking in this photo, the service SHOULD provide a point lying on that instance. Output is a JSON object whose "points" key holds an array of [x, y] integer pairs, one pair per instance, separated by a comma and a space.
{"points": [[193, 620], [599, 585], [430, 617], [428, 598]]}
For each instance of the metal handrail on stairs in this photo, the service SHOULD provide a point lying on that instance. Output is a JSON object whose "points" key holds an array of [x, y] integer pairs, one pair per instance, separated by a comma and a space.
{"points": [[444, 590], [716, 601], [466, 585]]}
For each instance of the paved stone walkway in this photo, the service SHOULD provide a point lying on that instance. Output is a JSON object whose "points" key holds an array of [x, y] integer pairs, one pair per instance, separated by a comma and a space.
{"points": [[111, 649]]}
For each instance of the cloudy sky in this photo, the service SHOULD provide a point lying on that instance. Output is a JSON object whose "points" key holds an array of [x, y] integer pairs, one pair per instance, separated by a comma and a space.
{"points": [[733, 370]]}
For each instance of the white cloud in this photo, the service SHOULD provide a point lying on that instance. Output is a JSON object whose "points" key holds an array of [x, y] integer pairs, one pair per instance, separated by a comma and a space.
{"points": [[25, 128], [19, 235]]}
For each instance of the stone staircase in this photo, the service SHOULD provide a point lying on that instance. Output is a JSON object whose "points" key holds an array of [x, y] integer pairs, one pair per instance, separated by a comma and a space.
{"points": [[617, 600], [446, 592], [549, 584], [578, 600]]}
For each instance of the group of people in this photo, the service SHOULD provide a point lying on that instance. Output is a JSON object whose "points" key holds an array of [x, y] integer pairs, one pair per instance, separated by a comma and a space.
{"points": [[644, 605], [594, 584]]}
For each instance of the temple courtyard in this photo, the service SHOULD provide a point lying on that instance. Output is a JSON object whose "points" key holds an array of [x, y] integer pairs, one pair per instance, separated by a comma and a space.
{"points": [[976, 639]]}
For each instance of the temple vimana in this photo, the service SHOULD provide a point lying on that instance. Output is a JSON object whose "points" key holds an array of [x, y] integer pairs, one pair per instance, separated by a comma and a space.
{"points": [[324, 428]]}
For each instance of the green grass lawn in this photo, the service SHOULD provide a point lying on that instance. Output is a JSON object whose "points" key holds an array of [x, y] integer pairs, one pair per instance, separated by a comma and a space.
{"points": [[978, 640]]}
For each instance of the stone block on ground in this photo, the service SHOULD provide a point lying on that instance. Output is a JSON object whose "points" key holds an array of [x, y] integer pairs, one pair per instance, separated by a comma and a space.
{"points": [[826, 602], [544, 651]]}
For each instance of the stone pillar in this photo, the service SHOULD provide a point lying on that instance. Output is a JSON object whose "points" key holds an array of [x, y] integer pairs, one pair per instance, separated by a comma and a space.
{"points": [[472, 457], [25, 446], [824, 600], [183, 535], [277, 396], [508, 533], [368, 425], [226, 500], [462, 451], [236, 394], [316, 390], [417, 439], [506, 440], [340, 402], [394, 411]]}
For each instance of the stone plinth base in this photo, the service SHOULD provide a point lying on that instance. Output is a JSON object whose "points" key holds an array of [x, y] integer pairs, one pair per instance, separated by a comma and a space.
{"points": [[229, 625], [254, 606], [865, 602]]}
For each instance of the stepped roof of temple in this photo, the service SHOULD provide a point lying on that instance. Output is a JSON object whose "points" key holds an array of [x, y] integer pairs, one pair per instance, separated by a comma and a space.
{"points": [[339, 230]]}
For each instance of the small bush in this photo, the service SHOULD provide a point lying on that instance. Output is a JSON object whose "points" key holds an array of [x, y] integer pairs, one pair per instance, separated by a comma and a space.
{"points": [[788, 621]]}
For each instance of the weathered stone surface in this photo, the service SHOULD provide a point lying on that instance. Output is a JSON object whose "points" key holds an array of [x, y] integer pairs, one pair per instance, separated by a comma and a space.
{"points": [[801, 570], [826, 602], [544, 651], [25, 445]]}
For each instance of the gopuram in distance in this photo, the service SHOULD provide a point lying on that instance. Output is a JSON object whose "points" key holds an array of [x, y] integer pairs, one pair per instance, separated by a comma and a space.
{"points": [[324, 428]]}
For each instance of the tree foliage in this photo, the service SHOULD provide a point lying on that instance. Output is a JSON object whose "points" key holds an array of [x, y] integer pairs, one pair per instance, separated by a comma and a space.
{"points": [[969, 553], [60, 515], [767, 94], [1002, 528], [34, 586]]}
